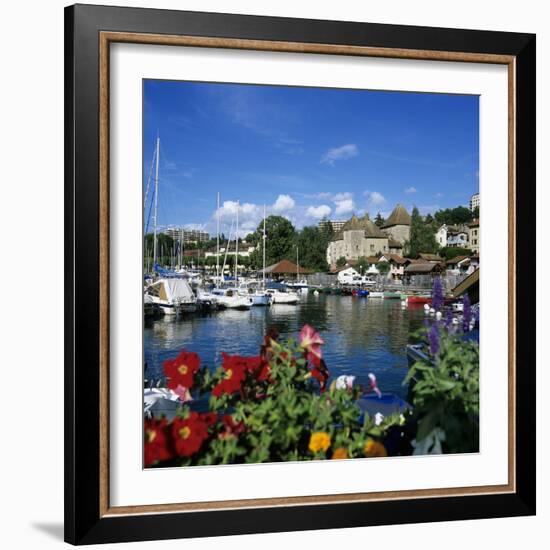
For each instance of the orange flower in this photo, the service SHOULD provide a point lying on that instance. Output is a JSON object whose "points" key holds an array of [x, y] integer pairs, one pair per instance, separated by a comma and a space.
{"points": [[319, 441], [340, 453], [374, 449]]}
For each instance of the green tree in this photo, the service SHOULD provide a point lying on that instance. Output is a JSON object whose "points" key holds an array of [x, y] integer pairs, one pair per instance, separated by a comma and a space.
{"points": [[422, 236], [341, 261], [383, 267], [450, 252], [379, 220], [279, 243], [312, 245], [362, 263], [454, 216]]}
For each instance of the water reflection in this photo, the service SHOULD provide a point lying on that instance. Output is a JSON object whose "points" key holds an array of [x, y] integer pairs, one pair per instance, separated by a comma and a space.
{"points": [[361, 335]]}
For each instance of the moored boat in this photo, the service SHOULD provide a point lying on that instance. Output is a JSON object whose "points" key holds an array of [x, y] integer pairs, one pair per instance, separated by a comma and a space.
{"points": [[419, 299], [389, 295], [231, 299], [282, 296], [171, 296]]}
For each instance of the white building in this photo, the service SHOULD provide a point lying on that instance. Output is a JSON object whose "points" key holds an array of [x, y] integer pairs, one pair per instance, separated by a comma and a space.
{"points": [[453, 236], [336, 224], [474, 201]]}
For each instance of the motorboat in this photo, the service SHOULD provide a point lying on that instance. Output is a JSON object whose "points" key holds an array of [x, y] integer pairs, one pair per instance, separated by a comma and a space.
{"points": [[282, 296], [250, 289], [231, 299]]}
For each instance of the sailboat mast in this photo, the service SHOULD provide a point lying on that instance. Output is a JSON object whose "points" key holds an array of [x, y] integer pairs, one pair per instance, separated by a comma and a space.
{"points": [[218, 241], [264, 252], [156, 203], [237, 246]]}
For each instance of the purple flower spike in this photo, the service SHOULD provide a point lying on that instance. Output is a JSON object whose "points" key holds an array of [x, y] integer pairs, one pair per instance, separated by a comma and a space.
{"points": [[433, 337], [467, 313], [437, 294]]}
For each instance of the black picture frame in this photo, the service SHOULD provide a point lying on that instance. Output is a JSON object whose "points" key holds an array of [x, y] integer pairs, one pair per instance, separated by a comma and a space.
{"points": [[84, 523]]}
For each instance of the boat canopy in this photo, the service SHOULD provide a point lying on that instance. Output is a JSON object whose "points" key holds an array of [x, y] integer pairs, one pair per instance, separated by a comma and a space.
{"points": [[172, 290]]}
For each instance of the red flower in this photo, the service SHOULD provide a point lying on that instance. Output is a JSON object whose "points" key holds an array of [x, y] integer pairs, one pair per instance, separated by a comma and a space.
{"points": [[264, 371], [181, 370], [319, 370], [156, 445], [311, 340], [232, 428], [189, 434], [271, 335], [210, 418], [235, 368]]}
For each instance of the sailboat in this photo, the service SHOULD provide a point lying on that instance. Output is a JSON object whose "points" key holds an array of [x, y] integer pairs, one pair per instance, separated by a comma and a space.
{"points": [[298, 285], [168, 294], [230, 297], [259, 296]]}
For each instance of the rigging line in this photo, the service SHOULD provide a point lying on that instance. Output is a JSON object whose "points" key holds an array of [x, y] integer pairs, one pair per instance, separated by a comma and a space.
{"points": [[148, 217], [149, 178]]}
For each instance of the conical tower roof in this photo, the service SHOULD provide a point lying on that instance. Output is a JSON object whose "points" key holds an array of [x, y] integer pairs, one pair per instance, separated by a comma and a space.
{"points": [[399, 216], [371, 230]]}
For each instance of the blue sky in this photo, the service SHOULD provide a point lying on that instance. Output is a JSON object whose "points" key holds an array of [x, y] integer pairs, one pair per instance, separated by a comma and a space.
{"points": [[305, 153]]}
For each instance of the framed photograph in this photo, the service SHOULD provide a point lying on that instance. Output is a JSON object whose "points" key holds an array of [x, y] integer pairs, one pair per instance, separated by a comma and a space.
{"points": [[276, 316]]}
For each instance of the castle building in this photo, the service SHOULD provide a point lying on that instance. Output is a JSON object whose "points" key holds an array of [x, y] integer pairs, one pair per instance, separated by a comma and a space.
{"points": [[361, 237], [398, 225], [358, 237]]}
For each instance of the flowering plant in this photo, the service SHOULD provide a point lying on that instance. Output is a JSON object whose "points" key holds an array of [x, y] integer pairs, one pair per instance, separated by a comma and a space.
{"points": [[445, 388], [276, 406]]}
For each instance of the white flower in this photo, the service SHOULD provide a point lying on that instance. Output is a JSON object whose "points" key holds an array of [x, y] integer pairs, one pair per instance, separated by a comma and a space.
{"points": [[345, 382]]}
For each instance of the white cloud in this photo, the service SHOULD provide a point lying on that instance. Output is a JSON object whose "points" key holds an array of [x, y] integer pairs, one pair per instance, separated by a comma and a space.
{"points": [[318, 212], [340, 153], [439, 195], [346, 206], [284, 202], [410, 190], [374, 198], [342, 196]]}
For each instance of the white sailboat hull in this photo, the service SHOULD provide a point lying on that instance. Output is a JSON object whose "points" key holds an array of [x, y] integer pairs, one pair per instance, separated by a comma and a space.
{"points": [[235, 302]]}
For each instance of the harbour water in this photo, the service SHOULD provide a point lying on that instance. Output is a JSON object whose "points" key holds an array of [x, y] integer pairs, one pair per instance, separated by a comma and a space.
{"points": [[361, 335]]}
